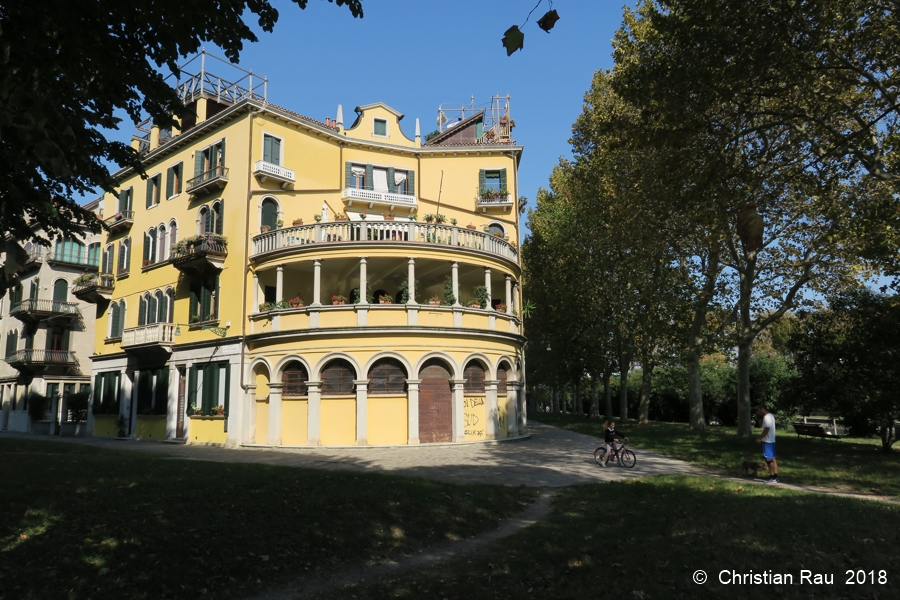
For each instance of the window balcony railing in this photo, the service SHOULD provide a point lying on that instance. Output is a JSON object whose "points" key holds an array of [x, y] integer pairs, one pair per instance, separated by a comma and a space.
{"points": [[216, 177], [83, 262], [37, 309], [486, 202], [266, 170], [200, 251], [158, 334], [371, 197], [383, 232], [94, 287], [120, 221], [37, 358]]}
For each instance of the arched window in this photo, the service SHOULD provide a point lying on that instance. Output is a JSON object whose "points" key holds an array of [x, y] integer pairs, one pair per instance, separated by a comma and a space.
{"points": [[93, 254], [150, 247], [69, 250], [170, 305], [474, 375], [496, 228], [61, 290], [162, 253], [108, 259], [269, 213], [218, 215], [162, 312], [121, 318], [293, 380], [203, 219], [34, 289], [502, 376], [337, 378], [124, 256], [387, 376], [173, 233], [115, 318], [147, 310]]}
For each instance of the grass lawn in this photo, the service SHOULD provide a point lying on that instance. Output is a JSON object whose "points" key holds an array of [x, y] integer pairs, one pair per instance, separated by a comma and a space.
{"points": [[85, 522], [852, 464], [645, 538]]}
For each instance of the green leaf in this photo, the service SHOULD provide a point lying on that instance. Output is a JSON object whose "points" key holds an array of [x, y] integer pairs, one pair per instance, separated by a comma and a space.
{"points": [[513, 40]]}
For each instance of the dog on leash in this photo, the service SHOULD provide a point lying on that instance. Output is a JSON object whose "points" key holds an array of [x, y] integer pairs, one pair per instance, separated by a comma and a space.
{"points": [[751, 465]]}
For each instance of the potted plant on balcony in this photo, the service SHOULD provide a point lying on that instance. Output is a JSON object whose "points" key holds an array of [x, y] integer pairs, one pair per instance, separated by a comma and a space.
{"points": [[385, 299], [481, 296], [317, 218], [195, 411], [299, 222], [471, 226], [439, 219], [264, 229], [453, 222], [279, 224], [296, 302], [341, 217], [263, 307], [434, 300], [388, 216], [429, 218], [473, 303], [117, 216], [363, 215], [82, 279], [338, 299], [282, 304], [145, 263], [500, 307], [217, 411]]}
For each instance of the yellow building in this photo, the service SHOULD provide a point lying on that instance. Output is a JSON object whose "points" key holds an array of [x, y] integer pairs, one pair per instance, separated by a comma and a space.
{"points": [[235, 315]]}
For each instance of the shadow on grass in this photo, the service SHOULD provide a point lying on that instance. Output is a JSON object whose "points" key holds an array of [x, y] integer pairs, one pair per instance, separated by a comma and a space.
{"points": [[86, 522], [851, 464], [645, 538]]}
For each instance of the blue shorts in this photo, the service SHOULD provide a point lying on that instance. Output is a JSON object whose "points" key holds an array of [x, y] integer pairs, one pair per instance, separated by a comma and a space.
{"points": [[768, 450]]}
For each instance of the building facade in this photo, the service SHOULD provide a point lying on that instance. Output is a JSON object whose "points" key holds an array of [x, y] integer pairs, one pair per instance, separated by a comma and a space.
{"points": [[48, 337], [282, 281]]}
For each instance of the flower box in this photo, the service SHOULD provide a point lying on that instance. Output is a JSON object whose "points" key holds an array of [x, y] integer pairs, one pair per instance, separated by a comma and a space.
{"points": [[298, 222], [470, 226], [434, 303], [385, 301], [336, 302]]}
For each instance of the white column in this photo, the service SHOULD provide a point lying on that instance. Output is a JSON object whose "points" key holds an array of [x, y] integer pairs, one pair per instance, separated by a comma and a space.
{"points": [[279, 283], [314, 413], [362, 281], [516, 299], [255, 292], [248, 423], [454, 270], [411, 278], [317, 283], [512, 412], [412, 410], [509, 301], [362, 411], [457, 412], [274, 414], [132, 409], [172, 403], [493, 414], [487, 284]]}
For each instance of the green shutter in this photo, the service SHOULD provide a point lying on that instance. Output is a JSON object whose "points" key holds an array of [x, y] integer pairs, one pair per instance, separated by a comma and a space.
{"points": [[267, 148], [219, 210], [170, 182], [161, 404], [348, 179], [411, 183], [195, 299], [145, 392], [210, 387], [205, 301], [276, 151], [503, 179], [392, 186], [179, 173], [479, 129], [149, 192], [482, 184], [114, 320], [370, 184], [98, 382], [198, 163], [221, 160], [130, 198], [123, 200], [218, 297], [227, 386], [65, 339], [146, 246], [121, 317], [192, 386]]}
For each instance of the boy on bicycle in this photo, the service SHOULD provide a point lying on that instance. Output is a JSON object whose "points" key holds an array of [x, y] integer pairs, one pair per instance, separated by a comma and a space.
{"points": [[611, 439]]}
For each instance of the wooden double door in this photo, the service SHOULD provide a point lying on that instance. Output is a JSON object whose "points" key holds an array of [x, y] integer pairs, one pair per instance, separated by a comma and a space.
{"points": [[435, 404]]}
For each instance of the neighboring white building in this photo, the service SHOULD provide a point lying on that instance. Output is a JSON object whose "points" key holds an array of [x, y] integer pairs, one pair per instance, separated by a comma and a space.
{"points": [[47, 333]]}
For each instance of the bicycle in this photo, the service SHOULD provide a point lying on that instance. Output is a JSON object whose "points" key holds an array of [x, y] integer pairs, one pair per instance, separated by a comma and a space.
{"points": [[621, 454]]}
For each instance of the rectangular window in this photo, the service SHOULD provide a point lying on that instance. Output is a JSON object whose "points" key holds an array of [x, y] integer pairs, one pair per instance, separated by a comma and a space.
{"points": [[204, 300], [210, 160], [125, 200], [153, 190], [12, 342], [492, 180], [380, 127], [173, 181], [272, 149]]}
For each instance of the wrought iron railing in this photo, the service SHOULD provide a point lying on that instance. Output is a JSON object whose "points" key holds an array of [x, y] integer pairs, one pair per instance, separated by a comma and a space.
{"points": [[208, 245], [124, 216], [215, 174], [50, 307], [36, 356], [92, 282]]}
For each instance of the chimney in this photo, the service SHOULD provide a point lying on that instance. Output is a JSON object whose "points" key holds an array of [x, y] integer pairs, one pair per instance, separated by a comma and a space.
{"points": [[418, 133], [339, 120], [327, 121]]}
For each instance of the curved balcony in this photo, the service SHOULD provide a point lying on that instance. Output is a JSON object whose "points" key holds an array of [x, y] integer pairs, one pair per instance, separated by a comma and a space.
{"points": [[33, 359], [34, 310], [382, 232], [94, 288]]}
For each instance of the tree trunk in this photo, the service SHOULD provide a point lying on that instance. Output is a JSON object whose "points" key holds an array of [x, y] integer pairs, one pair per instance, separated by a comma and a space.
{"points": [[576, 400], [607, 395], [695, 394], [888, 436], [646, 385], [595, 397], [696, 340], [744, 423], [554, 401], [563, 401], [623, 393]]}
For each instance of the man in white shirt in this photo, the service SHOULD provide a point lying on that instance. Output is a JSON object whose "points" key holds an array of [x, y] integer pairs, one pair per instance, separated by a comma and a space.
{"points": [[768, 442]]}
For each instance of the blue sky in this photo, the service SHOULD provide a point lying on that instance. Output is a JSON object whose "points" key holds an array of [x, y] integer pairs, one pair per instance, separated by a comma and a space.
{"points": [[417, 54]]}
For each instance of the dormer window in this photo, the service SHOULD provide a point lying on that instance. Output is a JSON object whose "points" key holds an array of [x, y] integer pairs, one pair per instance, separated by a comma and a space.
{"points": [[380, 128]]}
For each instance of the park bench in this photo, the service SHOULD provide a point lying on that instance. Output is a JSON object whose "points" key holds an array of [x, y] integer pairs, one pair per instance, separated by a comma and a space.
{"points": [[814, 430]]}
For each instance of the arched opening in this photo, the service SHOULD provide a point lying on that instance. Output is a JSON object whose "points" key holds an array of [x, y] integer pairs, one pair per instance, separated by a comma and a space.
{"points": [[203, 220], [108, 259], [474, 375], [293, 380], [124, 255], [170, 302], [173, 233], [337, 378], [435, 403], [502, 377], [496, 229], [61, 290], [149, 247], [162, 254], [162, 309], [93, 254], [218, 215], [261, 379], [268, 214], [69, 250], [387, 377], [505, 411]]}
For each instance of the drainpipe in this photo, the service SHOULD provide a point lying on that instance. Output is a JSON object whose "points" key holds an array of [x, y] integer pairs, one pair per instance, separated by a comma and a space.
{"points": [[253, 114]]}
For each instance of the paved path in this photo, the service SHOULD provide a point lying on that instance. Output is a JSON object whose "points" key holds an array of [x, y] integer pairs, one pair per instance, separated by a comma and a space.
{"points": [[552, 457]]}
